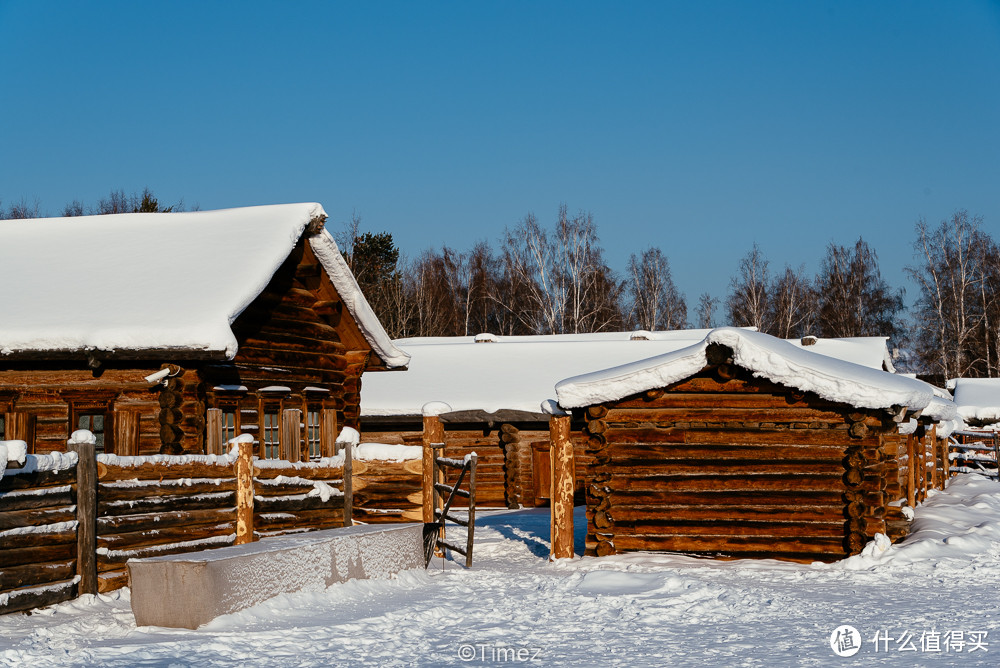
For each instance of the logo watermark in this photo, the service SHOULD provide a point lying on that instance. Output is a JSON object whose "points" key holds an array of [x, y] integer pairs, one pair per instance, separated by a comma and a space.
{"points": [[482, 653], [845, 640]]}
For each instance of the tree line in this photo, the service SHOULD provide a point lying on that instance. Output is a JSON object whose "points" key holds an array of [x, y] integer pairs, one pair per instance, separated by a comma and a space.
{"points": [[555, 280], [541, 279]]}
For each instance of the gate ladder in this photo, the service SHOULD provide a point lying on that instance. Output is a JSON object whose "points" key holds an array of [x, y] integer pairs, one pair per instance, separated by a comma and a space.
{"points": [[436, 528]]}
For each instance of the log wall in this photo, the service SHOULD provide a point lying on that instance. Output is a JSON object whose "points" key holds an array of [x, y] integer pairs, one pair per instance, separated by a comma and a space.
{"points": [[723, 464], [386, 491], [507, 457], [38, 534]]}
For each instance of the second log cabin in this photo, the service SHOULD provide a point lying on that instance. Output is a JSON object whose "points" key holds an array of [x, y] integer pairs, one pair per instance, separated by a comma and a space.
{"points": [[743, 445]]}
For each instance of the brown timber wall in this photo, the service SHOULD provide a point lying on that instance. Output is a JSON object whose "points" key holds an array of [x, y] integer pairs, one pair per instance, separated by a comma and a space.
{"points": [[736, 466], [386, 491], [512, 468], [145, 507], [38, 534]]}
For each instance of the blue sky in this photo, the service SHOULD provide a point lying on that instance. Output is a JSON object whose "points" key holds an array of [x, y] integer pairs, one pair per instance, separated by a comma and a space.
{"points": [[698, 127]]}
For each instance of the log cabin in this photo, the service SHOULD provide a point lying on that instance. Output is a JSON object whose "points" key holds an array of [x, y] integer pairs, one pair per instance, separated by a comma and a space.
{"points": [[172, 332], [494, 387], [744, 445]]}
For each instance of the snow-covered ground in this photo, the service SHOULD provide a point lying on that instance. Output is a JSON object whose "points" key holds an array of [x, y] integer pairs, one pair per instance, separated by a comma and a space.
{"points": [[928, 601]]}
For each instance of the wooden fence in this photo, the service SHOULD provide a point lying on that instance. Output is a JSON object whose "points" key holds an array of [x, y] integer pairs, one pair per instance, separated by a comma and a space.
{"points": [[974, 452], [70, 521]]}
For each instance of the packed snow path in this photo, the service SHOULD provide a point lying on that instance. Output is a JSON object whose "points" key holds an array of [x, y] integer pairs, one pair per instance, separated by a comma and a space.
{"points": [[514, 607]]}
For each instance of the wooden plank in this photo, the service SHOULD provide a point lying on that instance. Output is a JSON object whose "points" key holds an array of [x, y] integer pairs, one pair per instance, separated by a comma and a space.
{"points": [[161, 471], [112, 580], [728, 512], [642, 468], [741, 400], [126, 433], [348, 486], [160, 536], [36, 517], [33, 575], [308, 472], [40, 554], [160, 504], [14, 480], [659, 451], [19, 600], [286, 504], [110, 493], [37, 539], [328, 432], [673, 527], [20, 426], [86, 516], [723, 414], [146, 521], [756, 546], [213, 432], [50, 497], [729, 483]]}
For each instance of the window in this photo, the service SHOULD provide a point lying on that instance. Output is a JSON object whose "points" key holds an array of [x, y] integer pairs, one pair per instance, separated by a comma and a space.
{"points": [[270, 433], [92, 411], [93, 422], [313, 432]]}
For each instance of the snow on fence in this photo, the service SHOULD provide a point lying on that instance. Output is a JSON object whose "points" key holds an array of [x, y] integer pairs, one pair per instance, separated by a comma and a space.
{"points": [[38, 531], [147, 506], [974, 452]]}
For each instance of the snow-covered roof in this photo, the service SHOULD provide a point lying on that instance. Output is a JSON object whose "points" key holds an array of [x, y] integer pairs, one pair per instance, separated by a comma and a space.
{"points": [[514, 373], [518, 373], [977, 399], [767, 357], [870, 351], [157, 281]]}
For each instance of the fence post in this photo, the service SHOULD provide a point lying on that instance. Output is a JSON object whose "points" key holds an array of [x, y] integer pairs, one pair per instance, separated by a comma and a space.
{"points": [[911, 466], [86, 511], [433, 434], [348, 485], [244, 493], [563, 483]]}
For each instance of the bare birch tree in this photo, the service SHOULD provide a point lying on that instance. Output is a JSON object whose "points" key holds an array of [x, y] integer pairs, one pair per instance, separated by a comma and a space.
{"points": [[748, 301], [853, 298], [792, 305], [655, 302]]}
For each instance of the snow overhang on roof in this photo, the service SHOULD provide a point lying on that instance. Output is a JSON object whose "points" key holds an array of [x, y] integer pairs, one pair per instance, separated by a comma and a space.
{"points": [[766, 357], [977, 399], [132, 284]]}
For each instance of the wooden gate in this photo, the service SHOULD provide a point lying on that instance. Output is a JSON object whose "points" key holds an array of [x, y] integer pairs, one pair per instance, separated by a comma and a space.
{"points": [[974, 452], [443, 496]]}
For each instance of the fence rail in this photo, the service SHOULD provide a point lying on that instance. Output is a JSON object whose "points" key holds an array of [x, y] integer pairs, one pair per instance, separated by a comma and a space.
{"points": [[975, 452]]}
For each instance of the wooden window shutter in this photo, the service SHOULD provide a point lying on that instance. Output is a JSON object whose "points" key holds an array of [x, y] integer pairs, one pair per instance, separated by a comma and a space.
{"points": [[21, 427], [291, 434], [125, 426], [213, 432], [328, 432]]}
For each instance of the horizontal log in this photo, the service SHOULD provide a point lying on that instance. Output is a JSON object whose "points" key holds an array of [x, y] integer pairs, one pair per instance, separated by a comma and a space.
{"points": [[38, 555], [725, 513], [834, 529], [109, 493], [741, 400], [306, 472], [172, 518], [292, 489], [33, 539], [299, 518], [728, 483], [154, 471], [161, 504], [117, 560], [19, 600], [721, 414], [640, 468], [751, 546], [112, 580], [12, 480], [36, 517], [52, 497], [137, 539], [285, 504], [33, 575], [637, 452]]}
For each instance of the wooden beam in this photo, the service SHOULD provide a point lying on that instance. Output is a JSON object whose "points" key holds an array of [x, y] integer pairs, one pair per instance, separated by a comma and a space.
{"points": [[563, 476], [433, 434], [213, 432], [244, 494], [86, 516]]}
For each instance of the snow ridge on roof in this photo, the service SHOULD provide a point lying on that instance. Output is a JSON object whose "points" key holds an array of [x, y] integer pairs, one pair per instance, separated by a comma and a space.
{"points": [[154, 281], [977, 399], [765, 356]]}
